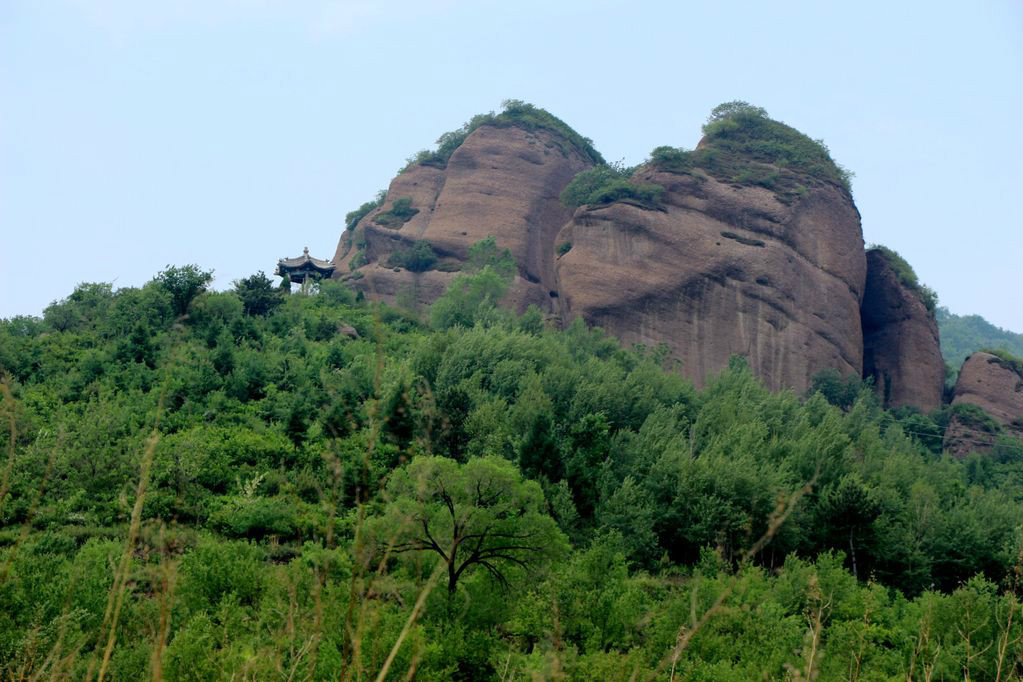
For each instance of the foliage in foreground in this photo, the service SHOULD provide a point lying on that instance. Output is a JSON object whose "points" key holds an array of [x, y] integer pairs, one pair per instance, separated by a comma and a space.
{"points": [[307, 498]]}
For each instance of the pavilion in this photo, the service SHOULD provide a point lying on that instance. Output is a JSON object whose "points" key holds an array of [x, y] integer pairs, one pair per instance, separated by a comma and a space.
{"points": [[304, 269]]}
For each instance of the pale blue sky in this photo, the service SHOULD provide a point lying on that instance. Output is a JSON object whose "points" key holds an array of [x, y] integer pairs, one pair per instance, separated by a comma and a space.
{"points": [[229, 133]]}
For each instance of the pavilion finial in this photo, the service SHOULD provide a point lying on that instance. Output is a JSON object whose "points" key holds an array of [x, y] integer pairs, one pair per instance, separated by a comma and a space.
{"points": [[305, 252]]}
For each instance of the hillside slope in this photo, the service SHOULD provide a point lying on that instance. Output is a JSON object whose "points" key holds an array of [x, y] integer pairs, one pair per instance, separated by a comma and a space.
{"points": [[256, 483], [962, 335]]}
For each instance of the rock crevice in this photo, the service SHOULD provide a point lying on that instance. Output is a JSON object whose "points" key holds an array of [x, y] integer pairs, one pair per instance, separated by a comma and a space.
{"points": [[901, 351]]}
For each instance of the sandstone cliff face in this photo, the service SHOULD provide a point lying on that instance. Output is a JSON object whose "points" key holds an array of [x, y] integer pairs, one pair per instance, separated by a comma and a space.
{"points": [[723, 270], [901, 350], [501, 181], [986, 381]]}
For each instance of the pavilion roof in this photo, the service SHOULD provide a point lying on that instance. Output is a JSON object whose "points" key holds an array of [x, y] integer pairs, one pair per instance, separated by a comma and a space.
{"points": [[304, 262]]}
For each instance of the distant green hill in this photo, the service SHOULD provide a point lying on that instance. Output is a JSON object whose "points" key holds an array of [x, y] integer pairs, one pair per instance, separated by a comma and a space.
{"points": [[964, 334]]}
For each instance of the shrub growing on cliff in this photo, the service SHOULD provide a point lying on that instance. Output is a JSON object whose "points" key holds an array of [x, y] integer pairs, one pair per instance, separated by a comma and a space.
{"points": [[840, 390], [976, 417], [352, 218], [606, 185], [907, 276], [673, 159], [486, 253], [1006, 360], [419, 257], [515, 113], [358, 260], [740, 138], [400, 213]]}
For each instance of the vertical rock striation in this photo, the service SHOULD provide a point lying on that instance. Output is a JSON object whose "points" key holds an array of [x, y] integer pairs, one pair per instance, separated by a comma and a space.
{"points": [[901, 351], [721, 269], [503, 182], [748, 245]]}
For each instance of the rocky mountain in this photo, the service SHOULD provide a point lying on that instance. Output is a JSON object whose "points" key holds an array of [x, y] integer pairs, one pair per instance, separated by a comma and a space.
{"points": [[749, 244], [503, 179], [718, 269]]}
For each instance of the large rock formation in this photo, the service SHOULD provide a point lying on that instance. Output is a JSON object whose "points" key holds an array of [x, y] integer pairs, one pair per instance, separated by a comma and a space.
{"points": [[995, 385], [722, 269], [901, 350], [502, 182], [751, 247]]}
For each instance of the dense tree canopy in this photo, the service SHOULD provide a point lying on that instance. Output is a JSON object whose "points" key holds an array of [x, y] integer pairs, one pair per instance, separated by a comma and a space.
{"points": [[480, 514], [293, 467]]}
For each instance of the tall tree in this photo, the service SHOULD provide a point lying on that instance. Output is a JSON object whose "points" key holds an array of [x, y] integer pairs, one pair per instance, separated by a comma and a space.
{"points": [[477, 515], [183, 284], [258, 294]]}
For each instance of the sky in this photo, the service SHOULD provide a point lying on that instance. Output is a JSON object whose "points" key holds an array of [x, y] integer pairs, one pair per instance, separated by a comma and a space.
{"points": [[230, 133]]}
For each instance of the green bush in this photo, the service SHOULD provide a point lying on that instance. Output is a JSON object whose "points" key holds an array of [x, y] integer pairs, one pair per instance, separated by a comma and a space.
{"points": [[742, 145], [1006, 360], [358, 260], [183, 284], [976, 417], [193, 654], [401, 212], [907, 276], [838, 389], [485, 253], [419, 257], [564, 247], [672, 159], [352, 218], [217, 569], [469, 299], [516, 113], [258, 294], [255, 518], [606, 185]]}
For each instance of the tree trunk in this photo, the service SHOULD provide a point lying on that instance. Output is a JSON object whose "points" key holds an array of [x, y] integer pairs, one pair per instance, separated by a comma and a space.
{"points": [[452, 579], [852, 552]]}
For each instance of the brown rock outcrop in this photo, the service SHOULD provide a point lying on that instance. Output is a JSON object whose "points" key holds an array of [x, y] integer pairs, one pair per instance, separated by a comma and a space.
{"points": [[501, 181], [994, 385], [753, 247], [720, 270], [901, 350]]}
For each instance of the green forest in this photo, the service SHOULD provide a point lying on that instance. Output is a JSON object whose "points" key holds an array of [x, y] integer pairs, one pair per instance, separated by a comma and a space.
{"points": [[262, 485], [964, 334]]}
